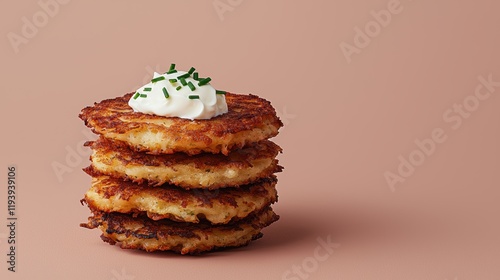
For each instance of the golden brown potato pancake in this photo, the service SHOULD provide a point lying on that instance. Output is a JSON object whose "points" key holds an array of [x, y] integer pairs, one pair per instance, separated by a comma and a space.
{"points": [[185, 238], [204, 171], [250, 119], [168, 202]]}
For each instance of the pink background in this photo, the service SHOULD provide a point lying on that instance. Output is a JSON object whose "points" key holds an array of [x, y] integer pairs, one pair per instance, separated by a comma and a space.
{"points": [[347, 123]]}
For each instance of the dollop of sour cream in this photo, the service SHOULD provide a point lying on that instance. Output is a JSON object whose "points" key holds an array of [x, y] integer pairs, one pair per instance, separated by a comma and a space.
{"points": [[179, 95]]}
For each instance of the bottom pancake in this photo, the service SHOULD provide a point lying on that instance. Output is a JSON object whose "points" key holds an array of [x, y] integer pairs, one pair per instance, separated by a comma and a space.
{"points": [[185, 238]]}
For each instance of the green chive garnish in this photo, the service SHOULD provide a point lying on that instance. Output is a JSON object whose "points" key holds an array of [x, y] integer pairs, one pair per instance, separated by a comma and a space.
{"points": [[157, 79], [172, 71], [191, 71], [172, 80], [204, 81], [191, 86], [172, 67], [144, 95], [165, 92], [195, 76], [147, 89], [220, 92], [194, 97], [184, 76], [178, 88], [136, 95], [183, 81]]}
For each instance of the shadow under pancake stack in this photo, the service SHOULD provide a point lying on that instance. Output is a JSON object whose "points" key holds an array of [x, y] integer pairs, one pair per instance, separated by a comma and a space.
{"points": [[188, 186]]}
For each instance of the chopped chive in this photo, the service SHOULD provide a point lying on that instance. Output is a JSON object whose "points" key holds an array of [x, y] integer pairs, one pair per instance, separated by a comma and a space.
{"points": [[191, 86], [147, 89], [172, 80], [165, 92], [157, 79], [220, 92], [172, 67], [172, 71], [195, 76], [143, 95], [136, 95], [204, 81], [194, 97], [183, 81], [178, 88], [191, 70], [184, 76]]}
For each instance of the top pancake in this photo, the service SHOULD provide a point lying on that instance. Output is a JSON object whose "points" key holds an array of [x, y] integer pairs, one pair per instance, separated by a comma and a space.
{"points": [[250, 119]]}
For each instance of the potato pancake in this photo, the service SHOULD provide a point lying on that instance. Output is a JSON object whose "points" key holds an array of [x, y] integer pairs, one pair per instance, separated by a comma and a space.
{"points": [[250, 119], [203, 171], [169, 202], [185, 238]]}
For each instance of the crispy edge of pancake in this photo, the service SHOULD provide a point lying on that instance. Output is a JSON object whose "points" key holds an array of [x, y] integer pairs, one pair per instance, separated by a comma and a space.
{"points": [[141, 233], [218, 207], [202, 171], [250, 119]]}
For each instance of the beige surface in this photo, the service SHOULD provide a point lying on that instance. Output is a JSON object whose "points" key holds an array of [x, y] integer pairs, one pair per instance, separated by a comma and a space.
{"points": [[346, 125]]}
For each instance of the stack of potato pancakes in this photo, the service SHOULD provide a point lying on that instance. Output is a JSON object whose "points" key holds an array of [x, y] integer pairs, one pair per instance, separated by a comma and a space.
{"points": [[189, 186]]}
